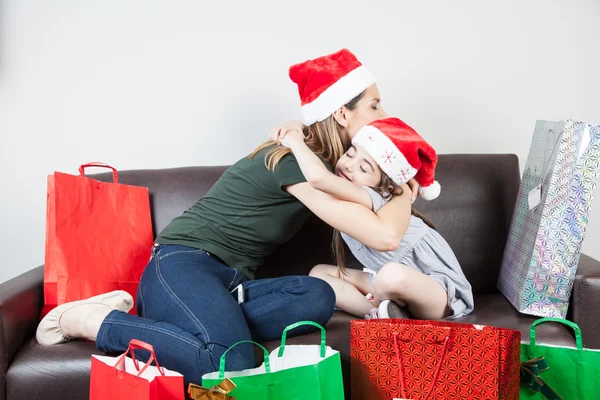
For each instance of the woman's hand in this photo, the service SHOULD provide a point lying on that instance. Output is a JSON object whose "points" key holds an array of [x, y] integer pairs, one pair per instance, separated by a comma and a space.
{"points": [[413, 186]]}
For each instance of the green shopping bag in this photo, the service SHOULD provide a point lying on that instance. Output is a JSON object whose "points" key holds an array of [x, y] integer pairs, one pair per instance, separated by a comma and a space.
{"points": [[288, 373], [550, 372]]}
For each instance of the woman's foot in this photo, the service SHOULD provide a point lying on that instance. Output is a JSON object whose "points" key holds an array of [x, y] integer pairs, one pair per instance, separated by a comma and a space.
{"points": [[388, 309], [81, 319]]}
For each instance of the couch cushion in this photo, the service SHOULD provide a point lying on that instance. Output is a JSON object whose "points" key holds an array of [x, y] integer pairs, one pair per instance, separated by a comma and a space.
{"points": [[62, 372], [51, 372]]}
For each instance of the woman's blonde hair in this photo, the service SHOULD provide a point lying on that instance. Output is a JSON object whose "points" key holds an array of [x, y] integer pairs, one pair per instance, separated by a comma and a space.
{"points": [[386, 188], [323, 138]]}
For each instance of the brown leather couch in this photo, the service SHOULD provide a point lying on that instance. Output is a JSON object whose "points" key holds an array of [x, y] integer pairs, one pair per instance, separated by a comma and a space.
{"points": [[473, 213]]}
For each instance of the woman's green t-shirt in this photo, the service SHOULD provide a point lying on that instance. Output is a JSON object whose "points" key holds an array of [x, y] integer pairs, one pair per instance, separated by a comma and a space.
{"points": [[245, 216]]}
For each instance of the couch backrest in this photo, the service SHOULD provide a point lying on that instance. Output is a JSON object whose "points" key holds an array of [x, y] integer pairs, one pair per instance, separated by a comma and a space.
{"points": [[473, 213]]}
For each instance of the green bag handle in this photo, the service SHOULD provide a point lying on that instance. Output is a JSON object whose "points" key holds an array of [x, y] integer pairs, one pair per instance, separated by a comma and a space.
{"points": [[294, 326], [570, 324], [222, 362]]}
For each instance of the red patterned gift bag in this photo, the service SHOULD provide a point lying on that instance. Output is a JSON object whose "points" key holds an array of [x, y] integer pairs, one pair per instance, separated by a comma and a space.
{"points": [[419, 360]]}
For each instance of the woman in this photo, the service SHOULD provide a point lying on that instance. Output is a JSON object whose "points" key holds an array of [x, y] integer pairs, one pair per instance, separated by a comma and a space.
{"points": [[185, 306]]}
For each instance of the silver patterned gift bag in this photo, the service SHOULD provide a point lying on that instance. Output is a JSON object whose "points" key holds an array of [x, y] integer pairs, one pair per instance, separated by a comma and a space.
{"points": [[550, 217]]}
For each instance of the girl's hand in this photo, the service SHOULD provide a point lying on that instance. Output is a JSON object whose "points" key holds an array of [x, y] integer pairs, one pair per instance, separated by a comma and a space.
{"points": [[290, 125], [289, 137]]}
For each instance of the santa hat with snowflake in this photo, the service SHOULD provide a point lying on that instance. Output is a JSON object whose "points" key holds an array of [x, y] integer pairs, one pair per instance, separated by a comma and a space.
{"points": [[327, 83], [401, 153]]}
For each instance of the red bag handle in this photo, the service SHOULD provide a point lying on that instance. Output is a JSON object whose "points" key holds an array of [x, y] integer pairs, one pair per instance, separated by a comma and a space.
{"points": [[437, 370], [102, 165], [138, 344]]}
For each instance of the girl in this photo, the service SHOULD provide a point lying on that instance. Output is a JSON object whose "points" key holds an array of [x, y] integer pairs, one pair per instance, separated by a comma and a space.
{"points": [[422, 275]]}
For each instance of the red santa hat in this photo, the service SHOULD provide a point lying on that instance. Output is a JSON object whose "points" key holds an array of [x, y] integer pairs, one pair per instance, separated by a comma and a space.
{"points": [[327, 83], [401, 153]]}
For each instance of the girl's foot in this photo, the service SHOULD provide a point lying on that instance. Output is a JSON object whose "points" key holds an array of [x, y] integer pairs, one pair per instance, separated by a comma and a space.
{"points": [[388, 309], [81, 319]]}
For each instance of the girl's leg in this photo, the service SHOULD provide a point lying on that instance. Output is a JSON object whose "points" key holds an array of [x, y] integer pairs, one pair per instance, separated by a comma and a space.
{"points": [[424, 297], [350, 291]]}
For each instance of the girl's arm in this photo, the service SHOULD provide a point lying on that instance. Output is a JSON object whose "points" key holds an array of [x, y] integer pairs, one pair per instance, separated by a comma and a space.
{"points": [[319, 177], [297, 125], [381, 231]]}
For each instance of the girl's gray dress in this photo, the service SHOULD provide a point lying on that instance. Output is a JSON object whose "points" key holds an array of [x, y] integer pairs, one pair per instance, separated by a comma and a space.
{"points": [[423, 249]]}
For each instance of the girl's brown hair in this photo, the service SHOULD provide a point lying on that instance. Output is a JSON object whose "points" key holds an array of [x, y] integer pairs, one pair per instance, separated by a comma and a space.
{"points": [[386, 188], [322, 137]]}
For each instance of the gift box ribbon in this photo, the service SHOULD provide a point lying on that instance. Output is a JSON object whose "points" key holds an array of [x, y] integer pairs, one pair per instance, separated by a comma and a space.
{"points": [[218, 392], [530, 375]]}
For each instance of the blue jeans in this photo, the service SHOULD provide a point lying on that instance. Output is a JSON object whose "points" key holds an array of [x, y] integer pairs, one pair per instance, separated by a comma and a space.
{"points": [[186, 311]]}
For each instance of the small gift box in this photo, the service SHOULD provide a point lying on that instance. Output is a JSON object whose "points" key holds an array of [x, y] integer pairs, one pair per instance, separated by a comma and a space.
{"points": [[217, 392], [530, 377]]}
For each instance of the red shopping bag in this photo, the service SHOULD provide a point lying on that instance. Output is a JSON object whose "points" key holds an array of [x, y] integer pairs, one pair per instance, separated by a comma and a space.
{"points": [[98, 237], [120, 378], [422, 360]]}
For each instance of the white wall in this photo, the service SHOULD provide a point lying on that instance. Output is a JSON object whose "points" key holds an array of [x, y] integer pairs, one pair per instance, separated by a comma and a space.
{"points": [[153, 84]]}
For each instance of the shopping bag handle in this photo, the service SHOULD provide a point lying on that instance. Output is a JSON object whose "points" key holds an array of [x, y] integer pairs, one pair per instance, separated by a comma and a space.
{"points": [[437, 370], [101, 165], [296, 325], [138, 344], [265, 358], [574, 326]]}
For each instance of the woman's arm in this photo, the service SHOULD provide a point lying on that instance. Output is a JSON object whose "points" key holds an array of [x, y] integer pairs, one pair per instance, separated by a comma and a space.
{"points": [[381, 231], [319, 177]]}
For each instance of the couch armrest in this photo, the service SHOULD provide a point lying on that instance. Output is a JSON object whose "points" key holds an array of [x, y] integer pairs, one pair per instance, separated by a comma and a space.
{"points": [[585, 300], [21, 301]]}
